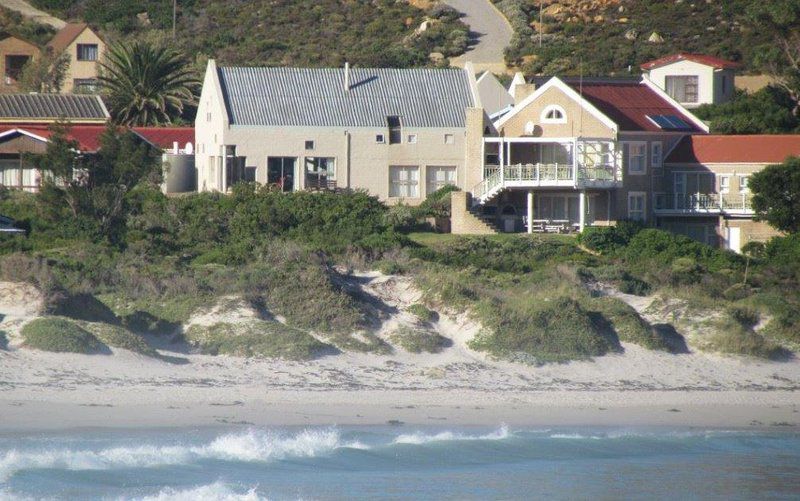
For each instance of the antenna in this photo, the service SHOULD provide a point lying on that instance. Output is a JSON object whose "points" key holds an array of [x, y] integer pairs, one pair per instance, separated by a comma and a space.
{"points": [[580, 91]]}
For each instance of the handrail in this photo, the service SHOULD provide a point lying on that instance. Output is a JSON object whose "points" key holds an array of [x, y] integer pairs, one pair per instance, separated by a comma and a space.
{"points": [[690, 202]]}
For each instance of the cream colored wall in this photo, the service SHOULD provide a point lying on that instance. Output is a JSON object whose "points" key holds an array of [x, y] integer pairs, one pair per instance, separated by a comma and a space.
{"points": [[82, 69], [209, 132], [705, 80], [579, 121]]}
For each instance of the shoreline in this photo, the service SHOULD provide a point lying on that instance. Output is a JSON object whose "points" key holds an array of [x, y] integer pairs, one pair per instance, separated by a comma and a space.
{"points": [[756, 410]]}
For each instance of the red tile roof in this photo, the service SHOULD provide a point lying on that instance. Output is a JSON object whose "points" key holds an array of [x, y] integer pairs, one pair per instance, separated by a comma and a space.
{"points": [[87, 136], [66, 35], [164, 137], [758, 149], [697, 58], [628, 103]]}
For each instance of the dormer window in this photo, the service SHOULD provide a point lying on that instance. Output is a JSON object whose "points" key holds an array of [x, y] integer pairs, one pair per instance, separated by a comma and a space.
{"points": [[554, 114], [87, 52], [395, 129]]}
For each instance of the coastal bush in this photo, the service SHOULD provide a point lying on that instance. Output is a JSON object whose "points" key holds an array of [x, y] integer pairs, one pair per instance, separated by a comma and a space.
{"points": [[609, 239], [553, 330], [256, 338], [60, 335], [419, 340], [437, 204], [422, 312], [744, 315], [359, 342], [119, 337], [629, 325], [734, 338]]}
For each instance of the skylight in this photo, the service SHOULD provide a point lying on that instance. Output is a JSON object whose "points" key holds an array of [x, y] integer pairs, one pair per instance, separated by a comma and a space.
{"points": [[669, 122]]}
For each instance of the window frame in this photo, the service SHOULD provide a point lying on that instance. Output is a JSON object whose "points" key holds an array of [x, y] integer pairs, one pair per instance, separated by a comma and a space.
{"points": [[380, 138], [80, 46], [411, 139], [685, 84], [449, 139], [626, 156], [412, 186], [553, 108], [395, 126], [439, 184], [657, 161], [724, 187], [643, 210], [744, 183], [309, 145]]}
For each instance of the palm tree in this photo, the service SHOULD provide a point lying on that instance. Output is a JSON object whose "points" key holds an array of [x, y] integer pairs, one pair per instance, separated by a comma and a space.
{"points": [[145, 84]]}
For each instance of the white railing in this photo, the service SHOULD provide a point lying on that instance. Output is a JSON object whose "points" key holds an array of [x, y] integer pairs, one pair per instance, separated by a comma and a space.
{"points": [[521, 175], [703, 202]]}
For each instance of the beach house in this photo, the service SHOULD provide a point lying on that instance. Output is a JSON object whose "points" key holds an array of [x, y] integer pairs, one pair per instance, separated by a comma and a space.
{"points": [[693, 79], [398, 133], [15, 53], [84, 49]]}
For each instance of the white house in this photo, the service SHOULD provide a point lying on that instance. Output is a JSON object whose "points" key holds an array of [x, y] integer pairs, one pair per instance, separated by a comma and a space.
{"points": [[693, 79]]}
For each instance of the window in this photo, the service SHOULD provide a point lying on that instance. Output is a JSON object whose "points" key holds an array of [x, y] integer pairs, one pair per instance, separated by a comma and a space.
{"points": [[84, 86], [87, 52], [724, 184], [320, 170], [404, 181], [412, 139], [395, 129], [14, 65], [380, 138], [449, 139], [309, 145], [682, 88], [9, 172], [439, 177], [492, 159], [636, 205], [656, 154], [743, 184], [554, 114], [634, 156]]}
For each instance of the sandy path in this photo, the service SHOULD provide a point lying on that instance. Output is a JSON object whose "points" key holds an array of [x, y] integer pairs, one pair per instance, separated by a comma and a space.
{"points": [[31, 12], [493, 33]]}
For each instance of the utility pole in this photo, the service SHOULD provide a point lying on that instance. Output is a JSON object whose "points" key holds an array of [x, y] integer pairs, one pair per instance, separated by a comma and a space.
{"points": [[540, 22], [174, 16]]}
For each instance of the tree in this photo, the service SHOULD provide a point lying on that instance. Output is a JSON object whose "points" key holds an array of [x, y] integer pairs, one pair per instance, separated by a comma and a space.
{"points": [[145, 84], [768, 111], [776, 195], [46, 73]]}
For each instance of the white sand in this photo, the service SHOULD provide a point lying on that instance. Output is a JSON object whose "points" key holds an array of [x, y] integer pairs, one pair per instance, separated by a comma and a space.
{"points": [[41, 390]]}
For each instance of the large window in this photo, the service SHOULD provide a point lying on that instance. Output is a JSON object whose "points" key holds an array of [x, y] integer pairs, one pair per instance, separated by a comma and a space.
{"points": [[439, 177], [9, 172], [87, 52], [280, 172], [743, 184], [682, 88], [634, 157], [636, 205], [319, 171], [395, 130], [554, 153], [404, 182]]}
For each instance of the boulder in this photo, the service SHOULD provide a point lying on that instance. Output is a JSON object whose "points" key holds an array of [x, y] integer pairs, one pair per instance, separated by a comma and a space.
{"points": [[655, 38]]}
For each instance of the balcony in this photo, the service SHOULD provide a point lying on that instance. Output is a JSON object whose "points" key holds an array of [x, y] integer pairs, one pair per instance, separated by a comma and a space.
{"points": [[703, 204]]}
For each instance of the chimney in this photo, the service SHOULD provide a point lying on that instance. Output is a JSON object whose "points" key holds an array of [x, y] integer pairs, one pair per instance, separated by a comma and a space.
{"points": [[521, 91], [346, 77]]}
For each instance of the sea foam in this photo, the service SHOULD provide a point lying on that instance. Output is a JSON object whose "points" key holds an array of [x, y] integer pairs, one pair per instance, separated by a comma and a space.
{"points": [[248, 446], [420, 438], [218, 491]]}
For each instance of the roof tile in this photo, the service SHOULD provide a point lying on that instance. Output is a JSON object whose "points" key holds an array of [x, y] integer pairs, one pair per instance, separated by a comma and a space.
{"points": [[759, 149]]}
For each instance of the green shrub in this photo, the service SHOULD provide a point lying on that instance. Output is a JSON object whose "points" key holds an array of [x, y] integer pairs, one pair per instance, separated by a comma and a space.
{"points": [[629, 325], [119, 337], [551, 330], [422, 312], [609, 239], [734, 338], [419, 340], [437, 204], [744, 315], [360, 342], [401, 217], [59, 335], [84, 307], [256, 338]]}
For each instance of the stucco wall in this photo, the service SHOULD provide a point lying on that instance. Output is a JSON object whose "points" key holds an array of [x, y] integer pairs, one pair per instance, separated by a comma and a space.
{"points": [[705, 81], [12, 46], [82, 69]]}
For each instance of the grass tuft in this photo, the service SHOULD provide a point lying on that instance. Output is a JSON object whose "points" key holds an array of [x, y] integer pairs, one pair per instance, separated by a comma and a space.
{"points": [[630, 326], [60, 335], [422, 312], [419, 341], [120, 337]]}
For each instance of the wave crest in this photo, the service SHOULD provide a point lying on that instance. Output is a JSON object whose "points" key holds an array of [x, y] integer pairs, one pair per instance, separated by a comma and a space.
{"points": [[217, 491], [420, 438]]}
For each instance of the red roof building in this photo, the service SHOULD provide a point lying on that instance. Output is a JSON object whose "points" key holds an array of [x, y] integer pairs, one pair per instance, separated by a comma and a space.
{"points": [[87, 136], [166, 138], [754, 149], [712, 61]]}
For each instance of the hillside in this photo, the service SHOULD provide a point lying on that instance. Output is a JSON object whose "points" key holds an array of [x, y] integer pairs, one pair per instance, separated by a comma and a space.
{"points": [[283, 32], [608, 36]]}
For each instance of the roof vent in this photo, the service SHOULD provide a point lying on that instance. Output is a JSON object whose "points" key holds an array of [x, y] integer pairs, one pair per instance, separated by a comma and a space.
{"points": [[346, 77]]}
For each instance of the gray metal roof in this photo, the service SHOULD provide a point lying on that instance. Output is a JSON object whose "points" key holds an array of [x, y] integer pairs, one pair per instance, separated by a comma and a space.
{"points": [[51, 107], [316, 97]]}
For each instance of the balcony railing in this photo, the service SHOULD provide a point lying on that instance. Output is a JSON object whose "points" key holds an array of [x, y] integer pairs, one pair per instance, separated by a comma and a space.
{"points": [[534, 175], [703, 203]]}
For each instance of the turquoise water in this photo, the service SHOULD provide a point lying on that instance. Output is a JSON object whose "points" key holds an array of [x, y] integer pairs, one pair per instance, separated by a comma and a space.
{"points": [[402, 462]]}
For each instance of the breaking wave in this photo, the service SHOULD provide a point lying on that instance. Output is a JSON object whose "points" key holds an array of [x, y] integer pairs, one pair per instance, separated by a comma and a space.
{"points": [[448, 436], [217, 491], [249, 446]]}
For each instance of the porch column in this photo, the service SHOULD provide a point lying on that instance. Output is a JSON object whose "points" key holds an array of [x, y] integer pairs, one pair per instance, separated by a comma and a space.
{"points": [[582, 210], [530, 211], [502, 159]]}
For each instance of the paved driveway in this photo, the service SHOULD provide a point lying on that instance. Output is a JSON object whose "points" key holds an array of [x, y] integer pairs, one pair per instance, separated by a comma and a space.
{"points": [[492, 34]]}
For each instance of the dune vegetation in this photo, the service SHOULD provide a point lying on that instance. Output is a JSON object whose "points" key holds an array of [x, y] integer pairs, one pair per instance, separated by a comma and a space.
{"points": [[60, 335]]}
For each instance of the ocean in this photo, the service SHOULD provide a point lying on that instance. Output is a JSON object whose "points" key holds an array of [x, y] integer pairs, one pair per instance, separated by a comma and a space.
{"points": [[400, 462]]}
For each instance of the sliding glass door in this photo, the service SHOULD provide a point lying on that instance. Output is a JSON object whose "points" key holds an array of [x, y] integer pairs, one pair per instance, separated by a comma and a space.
{"points": [[280, 172]]}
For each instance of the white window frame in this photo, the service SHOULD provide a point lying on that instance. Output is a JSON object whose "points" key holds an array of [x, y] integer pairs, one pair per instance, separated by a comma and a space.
{"points": [[310, 145], [643, 210], [744, 183], [432, 185], [656, 154], [411, 139], [380, 138], [724, 187], [626, 145], [553, 108], [669, 88], [449, 139], [408, 185]]}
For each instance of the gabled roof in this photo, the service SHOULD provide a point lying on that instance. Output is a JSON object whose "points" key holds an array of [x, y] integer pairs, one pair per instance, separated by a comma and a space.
{"points": [[758, 149], [316, 97], [87, 136], [52, 107], [66, 36], [32, 47], [622, 104], [712, 61], [164, 137]]}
